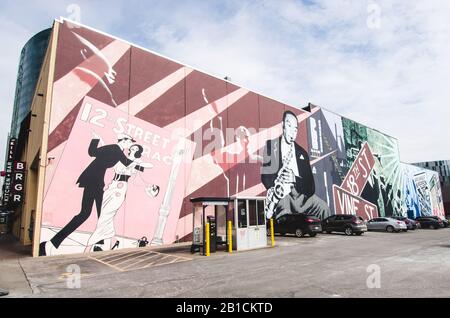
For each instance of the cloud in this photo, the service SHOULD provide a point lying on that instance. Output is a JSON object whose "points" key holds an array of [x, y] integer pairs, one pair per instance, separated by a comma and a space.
{"points": [[391, 76]]}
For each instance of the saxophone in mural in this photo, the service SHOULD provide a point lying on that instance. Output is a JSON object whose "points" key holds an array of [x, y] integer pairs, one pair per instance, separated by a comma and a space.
{"points": [[279, 190], [166, 204]]}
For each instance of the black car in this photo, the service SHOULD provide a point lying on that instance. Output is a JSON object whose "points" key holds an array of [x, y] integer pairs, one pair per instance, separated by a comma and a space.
{"points": [[347, 224], [444, 221], [298, 224], [410, 224], [429, 222]]}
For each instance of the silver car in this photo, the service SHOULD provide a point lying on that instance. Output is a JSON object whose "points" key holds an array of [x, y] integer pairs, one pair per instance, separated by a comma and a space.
{"points": [[386, 224]]}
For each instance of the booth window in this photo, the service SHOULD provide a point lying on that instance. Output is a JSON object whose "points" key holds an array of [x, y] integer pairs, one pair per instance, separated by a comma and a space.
{"points": [[242, 213], [252, 216], [261, 215]]}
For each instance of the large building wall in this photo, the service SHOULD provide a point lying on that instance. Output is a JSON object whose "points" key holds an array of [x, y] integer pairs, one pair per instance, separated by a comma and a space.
{"points": [[204, 137]]}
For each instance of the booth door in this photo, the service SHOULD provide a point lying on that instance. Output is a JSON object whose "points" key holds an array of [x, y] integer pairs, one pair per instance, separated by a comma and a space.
{"points": [[241, 238], [251, 225], [257, 232]]}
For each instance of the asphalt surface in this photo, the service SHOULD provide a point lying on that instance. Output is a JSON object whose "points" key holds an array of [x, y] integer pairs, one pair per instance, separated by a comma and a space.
{"points": [[412, 264]]}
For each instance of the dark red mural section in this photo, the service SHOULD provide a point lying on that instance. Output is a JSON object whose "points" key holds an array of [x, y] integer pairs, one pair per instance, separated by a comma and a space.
{"points": [[228, 124], [162, 104], [71, 50]]}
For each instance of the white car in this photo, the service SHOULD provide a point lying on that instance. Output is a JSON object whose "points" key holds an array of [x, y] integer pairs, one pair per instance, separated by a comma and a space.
{"points": [[386, 224]]}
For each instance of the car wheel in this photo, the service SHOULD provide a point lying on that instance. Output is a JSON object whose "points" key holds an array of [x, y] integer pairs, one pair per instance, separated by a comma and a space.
{"points": [[359, 233], [436, 227], [313, 234], [390, 229], [348, 231], [299, 233]]}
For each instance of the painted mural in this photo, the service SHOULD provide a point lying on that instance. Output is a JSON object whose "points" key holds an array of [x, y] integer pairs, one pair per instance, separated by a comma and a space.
{"points": [[133, 136], [356, 168], [422, 194], [287, 175]]}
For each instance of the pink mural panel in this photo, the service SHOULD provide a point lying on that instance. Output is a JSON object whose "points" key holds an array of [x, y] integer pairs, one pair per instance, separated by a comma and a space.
{"points": [[135, 206]]}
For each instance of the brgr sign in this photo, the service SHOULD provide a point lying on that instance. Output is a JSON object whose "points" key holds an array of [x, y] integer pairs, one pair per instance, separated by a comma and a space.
{"points": [[13, 190], [18, 182]]}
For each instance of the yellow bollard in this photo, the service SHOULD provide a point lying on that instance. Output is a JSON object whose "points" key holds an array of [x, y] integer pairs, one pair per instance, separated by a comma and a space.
{"points": [[207, 251], [230, 237], [272, 233]]}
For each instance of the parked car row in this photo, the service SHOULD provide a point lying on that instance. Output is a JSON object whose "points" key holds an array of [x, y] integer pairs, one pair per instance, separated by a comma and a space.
{"points": [[387, 224], [348, 224], [433, 222], [298, 224], [301, 224], [410, 224]]}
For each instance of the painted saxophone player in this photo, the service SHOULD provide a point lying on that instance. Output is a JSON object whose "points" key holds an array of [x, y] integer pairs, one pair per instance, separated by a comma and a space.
{"points": [[286, 174]]}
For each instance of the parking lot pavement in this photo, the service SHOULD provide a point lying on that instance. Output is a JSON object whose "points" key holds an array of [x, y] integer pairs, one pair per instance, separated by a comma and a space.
{"points": [[412, 264]]}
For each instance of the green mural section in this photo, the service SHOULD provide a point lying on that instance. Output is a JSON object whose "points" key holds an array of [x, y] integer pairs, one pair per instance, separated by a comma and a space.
{"points": [[384, 185]]}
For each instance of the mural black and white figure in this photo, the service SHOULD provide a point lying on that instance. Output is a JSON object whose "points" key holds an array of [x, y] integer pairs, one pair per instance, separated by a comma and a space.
{"points": [[92, 181], [114, 197], [286, 174]]}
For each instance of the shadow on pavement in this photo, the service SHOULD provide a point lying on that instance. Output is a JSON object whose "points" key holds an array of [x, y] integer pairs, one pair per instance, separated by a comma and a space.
{"points": [[11, 248]]}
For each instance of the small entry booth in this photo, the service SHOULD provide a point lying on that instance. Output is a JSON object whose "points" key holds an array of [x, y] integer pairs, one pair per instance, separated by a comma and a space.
{"points": [[248, 223]]}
